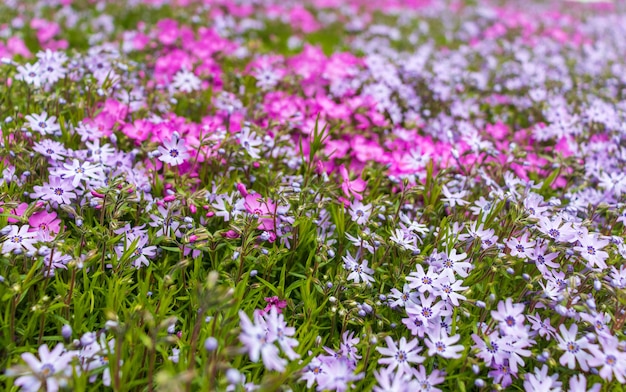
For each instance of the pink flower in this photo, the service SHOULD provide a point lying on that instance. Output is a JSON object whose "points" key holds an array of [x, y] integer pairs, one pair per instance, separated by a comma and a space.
{"points": [[44, 224], [275, 302], [17, 211], [351, 188], [264, 209]]}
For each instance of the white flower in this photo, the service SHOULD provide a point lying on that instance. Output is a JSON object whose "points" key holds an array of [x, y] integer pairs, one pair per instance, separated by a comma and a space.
{"points": [[454, 198], [173, 152], [29, 73], [250, 142], [43, 124], [404, 240], [43, 372], [401, 355], [78, 171], [360, 272], [19, 238], [186, 81], [359, 212]]}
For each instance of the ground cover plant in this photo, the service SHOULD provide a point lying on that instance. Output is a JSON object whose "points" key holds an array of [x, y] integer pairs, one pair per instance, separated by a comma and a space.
{"points": [[328, 195]]}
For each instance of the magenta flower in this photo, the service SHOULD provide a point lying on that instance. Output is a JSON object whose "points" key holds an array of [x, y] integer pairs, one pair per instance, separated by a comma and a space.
{"points": [[45, 224], [264, 209], [351, 188], [275, 302]]}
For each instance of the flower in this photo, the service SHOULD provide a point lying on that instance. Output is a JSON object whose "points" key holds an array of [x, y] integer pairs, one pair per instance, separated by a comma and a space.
{"points": [[452, 263], [404, 239], [263, 209], [439, 343], [338, 375], [359, 272], [425, 310], [79, 171], [314, 370], [94, 356], [259, 343], [541, 327], [348, 348], [510, 316], [390, 381], [51, 149], [424, 282], [492, 350], [426, 382], [590, 250], [400, 356], [521, 247], [173, 152], [29, 73], [578, 383], [574, 348], [277, 330], [56, 189], [448, 291], [140, 252], [502, 374], [43, 124], [19, 238], [611, 360], [249, 142], [555, 230], [45, 371], [454, 199], [351, 188], [359, 212], [275, 302], [540, 381], [401, 298], [186, 81], [45, 224]]}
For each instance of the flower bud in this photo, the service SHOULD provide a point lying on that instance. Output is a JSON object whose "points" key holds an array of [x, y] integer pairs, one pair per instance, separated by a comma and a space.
{"points": [[210, 344], [233, 376], [66, 332], [597, 285]]}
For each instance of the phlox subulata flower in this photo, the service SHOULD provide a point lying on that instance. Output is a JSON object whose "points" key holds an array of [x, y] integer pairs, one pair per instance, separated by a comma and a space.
{"points": [[47, 371]]}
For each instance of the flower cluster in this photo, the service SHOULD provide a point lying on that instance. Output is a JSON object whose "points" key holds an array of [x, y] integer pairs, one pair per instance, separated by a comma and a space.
{"points": [[332, 195]]}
